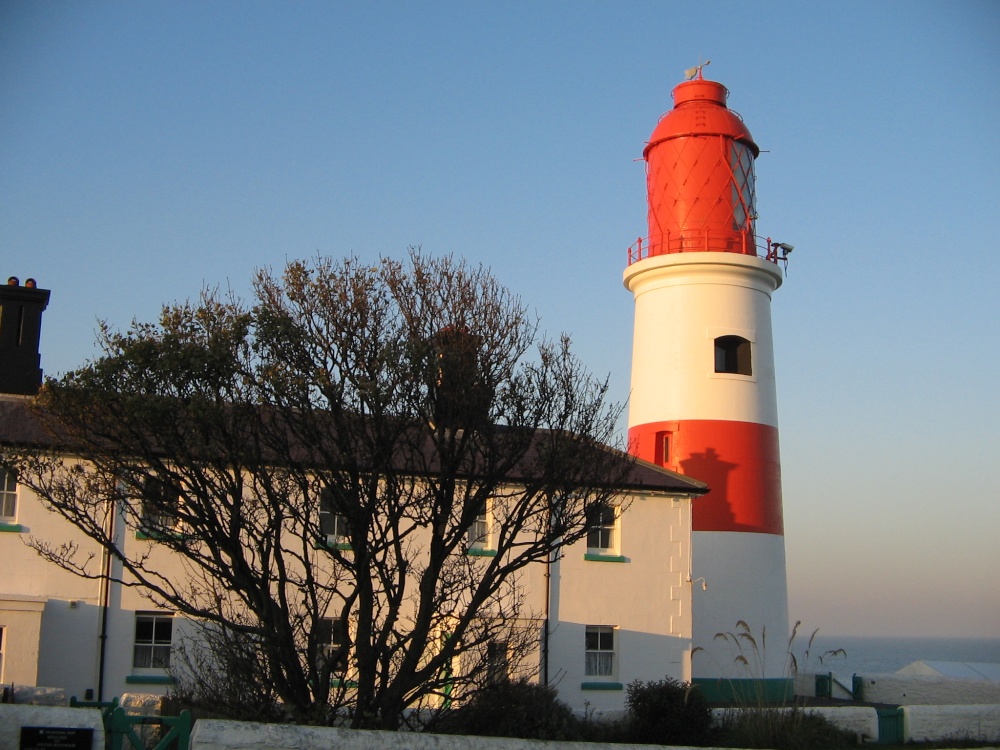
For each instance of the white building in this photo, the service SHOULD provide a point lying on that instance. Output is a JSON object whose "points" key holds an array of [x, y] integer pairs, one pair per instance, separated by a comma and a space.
{"points": [[618, 602]]}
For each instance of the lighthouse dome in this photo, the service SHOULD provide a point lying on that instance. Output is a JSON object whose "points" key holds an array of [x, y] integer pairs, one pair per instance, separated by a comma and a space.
{"points": [[700, 109]]}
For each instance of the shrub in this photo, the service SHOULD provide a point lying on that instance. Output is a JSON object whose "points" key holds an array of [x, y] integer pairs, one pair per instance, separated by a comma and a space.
{"points": [[667, 712], [513, 709], [782, 729]]}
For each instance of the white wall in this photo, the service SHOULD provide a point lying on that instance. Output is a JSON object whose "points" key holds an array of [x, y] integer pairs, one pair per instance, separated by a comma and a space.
{"points": [[682, 303], [925, 690], [57, 644], [20, 620], [936, 723], [57, 637], [732, 564], [647, 598]]}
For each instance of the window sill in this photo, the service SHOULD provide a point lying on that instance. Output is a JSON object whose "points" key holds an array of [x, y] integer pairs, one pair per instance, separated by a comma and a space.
{"points": [[343, 683], [341, 546], [597, 557], [14, 528], [476, 552], [602, 686], [733, 376], [150, 679]]}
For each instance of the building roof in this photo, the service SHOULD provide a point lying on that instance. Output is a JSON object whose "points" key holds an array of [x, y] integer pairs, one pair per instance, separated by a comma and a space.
{"points": [[954, 670], [20, 426]]}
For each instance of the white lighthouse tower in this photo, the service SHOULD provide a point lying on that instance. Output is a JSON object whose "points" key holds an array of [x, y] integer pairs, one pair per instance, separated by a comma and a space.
{"points": [[703, 399]]}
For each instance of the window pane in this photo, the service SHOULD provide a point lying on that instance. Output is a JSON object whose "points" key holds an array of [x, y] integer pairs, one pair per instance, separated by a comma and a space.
{"points": [[331, 637], [593, 538], [732, 355], [8, 494], [338, 633], [144, 630], [497, 668], [607, 640], [161, 656], [600, 664], [324, 632], [164, 630]]}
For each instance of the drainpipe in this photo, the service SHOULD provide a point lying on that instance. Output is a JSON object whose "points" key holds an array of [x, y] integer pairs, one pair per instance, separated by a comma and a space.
{"points": [[545, 630], [105, 596]]}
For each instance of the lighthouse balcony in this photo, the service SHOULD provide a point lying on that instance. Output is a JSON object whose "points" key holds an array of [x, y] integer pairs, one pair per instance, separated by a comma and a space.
{"points": [[703, 241]]}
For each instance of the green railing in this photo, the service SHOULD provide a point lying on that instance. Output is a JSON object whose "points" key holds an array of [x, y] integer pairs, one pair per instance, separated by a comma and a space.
{"points": [[120, 726]]}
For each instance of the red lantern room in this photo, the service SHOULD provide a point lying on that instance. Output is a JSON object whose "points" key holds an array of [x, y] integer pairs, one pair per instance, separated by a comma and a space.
{"points": [[700, 176]]}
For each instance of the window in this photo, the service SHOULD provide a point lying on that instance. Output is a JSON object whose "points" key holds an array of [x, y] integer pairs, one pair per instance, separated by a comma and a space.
{"points": [[153, 635], [8, 495], [663, 450], [732, 355], [331, 637], [479, 531], [744, 211], [3, 632], [602, 520], [600, 648], [497, 663], [160, 503], [332, 525]]}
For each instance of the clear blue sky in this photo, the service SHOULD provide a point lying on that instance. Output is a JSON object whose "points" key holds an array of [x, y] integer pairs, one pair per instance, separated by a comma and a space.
{"points": [[150, 148]]}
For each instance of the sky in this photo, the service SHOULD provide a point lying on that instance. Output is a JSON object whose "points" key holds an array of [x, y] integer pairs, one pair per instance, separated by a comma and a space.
{"points": [[148, 150]]}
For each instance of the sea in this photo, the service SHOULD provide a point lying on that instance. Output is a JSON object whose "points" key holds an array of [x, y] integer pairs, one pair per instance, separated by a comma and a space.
{"points": [[886, 655]]}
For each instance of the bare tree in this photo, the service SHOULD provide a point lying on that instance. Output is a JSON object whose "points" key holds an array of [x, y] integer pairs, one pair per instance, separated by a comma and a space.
{"points": [[385, 447]]}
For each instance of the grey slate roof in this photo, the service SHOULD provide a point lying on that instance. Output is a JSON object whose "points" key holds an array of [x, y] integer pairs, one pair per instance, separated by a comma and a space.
{"points": [[19, 426]]}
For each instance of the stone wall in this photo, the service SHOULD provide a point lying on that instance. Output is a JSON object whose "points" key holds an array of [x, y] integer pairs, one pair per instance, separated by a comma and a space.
{"points": [[213, 734], [13, 716], [37, 696], [935, 723], [216, 734]]}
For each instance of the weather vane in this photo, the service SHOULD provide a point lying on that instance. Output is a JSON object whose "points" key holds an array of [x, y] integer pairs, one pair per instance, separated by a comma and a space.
{"points": [[696, 70]]}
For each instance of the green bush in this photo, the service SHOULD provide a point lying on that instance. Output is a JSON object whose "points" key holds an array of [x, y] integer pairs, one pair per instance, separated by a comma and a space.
{"points": [[782, 729], [513, 709], [667, 712]]}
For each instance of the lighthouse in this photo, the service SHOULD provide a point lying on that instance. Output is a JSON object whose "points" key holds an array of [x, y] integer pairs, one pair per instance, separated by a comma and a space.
{"points": [[703, 398]]}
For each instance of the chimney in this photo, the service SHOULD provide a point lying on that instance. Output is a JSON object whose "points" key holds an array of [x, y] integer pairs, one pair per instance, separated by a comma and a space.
{"points": [[20, 330], [461, 398]]}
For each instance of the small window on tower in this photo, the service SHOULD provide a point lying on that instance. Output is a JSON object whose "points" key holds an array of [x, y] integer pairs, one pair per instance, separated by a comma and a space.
{"points": [[663, 448], [732, 355]]}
